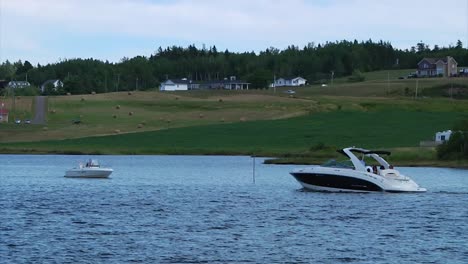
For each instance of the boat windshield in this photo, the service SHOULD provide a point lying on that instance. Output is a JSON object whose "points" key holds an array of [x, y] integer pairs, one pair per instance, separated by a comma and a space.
{"points": [[345, 164], [92, 163]]}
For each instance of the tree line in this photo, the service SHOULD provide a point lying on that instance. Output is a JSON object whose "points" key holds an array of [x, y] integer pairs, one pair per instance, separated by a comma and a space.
{"points": [[315, 62]]}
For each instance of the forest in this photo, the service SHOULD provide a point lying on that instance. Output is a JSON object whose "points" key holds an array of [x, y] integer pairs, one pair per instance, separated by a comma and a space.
{"points": [[315, 62]]}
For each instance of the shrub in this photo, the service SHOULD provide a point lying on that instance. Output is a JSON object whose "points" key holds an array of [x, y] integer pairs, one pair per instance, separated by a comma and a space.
{"points": [[357, 76]]}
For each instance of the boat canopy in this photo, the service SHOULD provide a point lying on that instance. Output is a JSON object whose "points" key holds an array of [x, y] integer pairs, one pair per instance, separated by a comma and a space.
{"points": [[365, 151], [360, 166]]}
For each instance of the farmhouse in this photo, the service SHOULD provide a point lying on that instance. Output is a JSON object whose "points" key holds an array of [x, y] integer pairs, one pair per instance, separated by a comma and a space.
{"points": [[183, 84], [18, 84], [175, 85], [297, 81], [432, 67], [55, 84]]}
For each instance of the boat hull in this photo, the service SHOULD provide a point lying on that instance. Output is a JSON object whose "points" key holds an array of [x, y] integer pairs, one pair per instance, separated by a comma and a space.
{"points": [[347, 180], [324, 182], [89, 173]]}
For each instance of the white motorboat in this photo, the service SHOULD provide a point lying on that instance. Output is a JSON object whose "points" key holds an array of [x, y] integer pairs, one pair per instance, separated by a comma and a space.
{"points": [[354, 176], [91, 169]]}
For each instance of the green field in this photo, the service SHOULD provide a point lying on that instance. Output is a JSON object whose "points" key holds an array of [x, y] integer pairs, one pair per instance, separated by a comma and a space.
{"points": [[308, 124]]}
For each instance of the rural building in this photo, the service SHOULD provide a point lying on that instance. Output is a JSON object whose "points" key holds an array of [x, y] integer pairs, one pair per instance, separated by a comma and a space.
{"points": [[433, 67], [175, 85], [18, 84], [52, 83], [183, 84], [297, 81], [443, 136], [3, 115], [3, 84], [233, 84]]}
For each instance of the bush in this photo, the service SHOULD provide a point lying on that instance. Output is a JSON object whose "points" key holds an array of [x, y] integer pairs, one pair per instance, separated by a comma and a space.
{"points": [[457, 146], [357, 76]]}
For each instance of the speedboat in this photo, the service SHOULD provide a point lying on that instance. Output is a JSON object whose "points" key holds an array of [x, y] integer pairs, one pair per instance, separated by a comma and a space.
{"points": [[354, 175], [91, 169]]}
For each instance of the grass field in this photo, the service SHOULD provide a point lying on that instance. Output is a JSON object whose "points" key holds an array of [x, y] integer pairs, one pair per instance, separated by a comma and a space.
{"points": [[373, 114]]}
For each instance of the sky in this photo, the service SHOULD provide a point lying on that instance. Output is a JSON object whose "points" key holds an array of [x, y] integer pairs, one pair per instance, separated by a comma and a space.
{"points": [[48, 31]]}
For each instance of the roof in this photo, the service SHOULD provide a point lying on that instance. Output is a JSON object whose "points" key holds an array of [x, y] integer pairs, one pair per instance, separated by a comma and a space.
{"points": [[291, 78], [178, 81], [51, 81], [435, 60]]}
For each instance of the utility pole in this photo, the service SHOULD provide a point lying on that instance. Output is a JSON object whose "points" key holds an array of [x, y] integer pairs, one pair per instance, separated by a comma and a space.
{"points": [[416, 93], [332, 75], [274, 83], [118, 81], [388, 83]]}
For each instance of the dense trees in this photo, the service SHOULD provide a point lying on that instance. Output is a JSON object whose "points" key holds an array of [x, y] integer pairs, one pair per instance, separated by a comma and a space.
{"points": [[313, 62]]}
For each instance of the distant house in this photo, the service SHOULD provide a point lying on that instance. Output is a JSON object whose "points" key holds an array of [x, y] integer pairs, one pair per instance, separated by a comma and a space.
{"points": [[432, 67], [52, 83], [233, 84], [443, 136], [183, 84], [3, 115], [175, 85], [18, 84], [297, 81]]}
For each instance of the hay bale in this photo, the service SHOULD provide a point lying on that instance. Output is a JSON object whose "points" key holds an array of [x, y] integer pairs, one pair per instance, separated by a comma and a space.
{"points": [[177, 97], [220, 100], [140, 125], [93, 92], [18, 97], [130, 113], [168, 121], [53, 111], [45, 128], [117, 107], [117, 131], [68, 94], [243, 119], [222, 120], [82, 99], [201, 116], [114, 116], [129, 93]]}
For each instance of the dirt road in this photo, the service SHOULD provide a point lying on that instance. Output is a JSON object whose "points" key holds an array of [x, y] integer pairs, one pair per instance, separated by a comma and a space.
{"points": [[40, 110]]}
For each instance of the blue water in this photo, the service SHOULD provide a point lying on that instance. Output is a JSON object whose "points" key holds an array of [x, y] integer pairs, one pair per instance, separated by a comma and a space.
{"points": [[204, 209]]}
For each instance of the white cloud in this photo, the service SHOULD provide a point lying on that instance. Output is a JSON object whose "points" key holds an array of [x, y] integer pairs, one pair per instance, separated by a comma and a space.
{"points": [[242, 23]]}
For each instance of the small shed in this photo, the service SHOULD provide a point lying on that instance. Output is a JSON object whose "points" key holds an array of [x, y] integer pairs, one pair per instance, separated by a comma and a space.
{"points": [[3, 115], [443, 136]]}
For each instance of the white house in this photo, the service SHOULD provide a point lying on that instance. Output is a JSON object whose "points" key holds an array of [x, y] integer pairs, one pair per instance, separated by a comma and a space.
{"points": [[54, 83], [175, 85], [18, 84], [443, 136], [298, 81]]}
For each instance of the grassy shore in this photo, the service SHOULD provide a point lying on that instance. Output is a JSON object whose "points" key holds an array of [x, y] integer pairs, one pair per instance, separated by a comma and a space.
{"points": [[304, 128]]}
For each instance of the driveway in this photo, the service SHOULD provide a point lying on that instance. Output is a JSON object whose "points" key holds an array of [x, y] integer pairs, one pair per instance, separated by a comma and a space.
{"points": [[40, 110]]}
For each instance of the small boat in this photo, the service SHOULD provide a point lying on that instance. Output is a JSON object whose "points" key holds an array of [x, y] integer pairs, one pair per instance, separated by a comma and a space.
{"points": [[354, 176], [91, 169]]}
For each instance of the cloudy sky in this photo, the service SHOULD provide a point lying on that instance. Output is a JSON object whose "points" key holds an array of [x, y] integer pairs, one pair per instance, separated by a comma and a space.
{"points": [[46, 31]]}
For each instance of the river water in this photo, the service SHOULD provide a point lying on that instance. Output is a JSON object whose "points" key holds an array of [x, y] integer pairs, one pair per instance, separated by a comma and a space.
{"points": [[211, 209]]}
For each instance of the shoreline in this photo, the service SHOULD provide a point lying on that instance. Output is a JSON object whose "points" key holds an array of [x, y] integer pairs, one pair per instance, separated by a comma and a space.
{"points": [[269, 159]]}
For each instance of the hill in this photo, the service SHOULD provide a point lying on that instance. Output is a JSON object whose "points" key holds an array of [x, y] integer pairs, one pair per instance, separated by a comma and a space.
{"points": [[375, 113]]}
